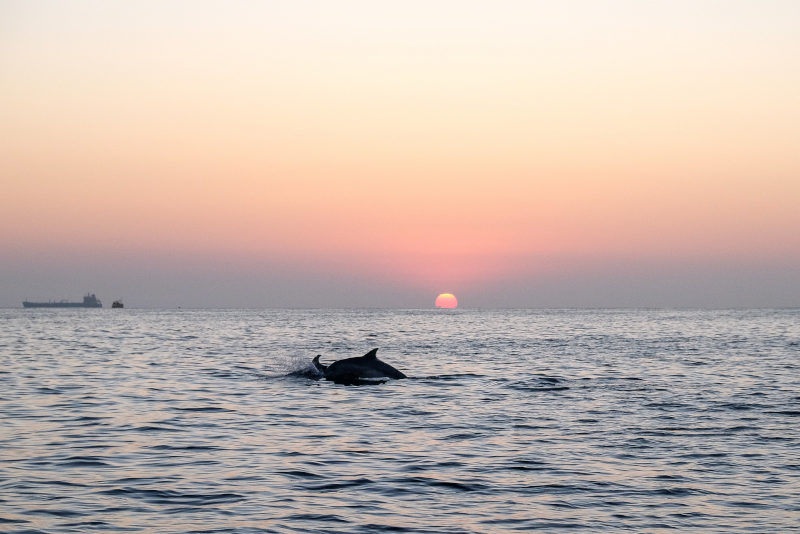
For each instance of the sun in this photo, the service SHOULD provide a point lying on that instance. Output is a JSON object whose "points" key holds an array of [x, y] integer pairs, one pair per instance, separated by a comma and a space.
{"points": [[446, 300]]}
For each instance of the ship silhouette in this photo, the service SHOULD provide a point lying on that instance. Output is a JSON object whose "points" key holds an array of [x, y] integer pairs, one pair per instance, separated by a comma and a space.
{"points": [[89, 301]]}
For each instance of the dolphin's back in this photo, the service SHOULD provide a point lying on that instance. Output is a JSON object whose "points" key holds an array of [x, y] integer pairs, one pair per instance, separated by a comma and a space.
{"points": [[367, 366]]}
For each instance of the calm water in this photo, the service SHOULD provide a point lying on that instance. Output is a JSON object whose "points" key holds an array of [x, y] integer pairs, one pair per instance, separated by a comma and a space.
{"points": [[180, 421]]}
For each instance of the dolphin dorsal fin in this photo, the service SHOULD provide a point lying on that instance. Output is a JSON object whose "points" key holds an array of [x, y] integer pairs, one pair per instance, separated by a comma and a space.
{"points": [[371, 355], [320, 367]]}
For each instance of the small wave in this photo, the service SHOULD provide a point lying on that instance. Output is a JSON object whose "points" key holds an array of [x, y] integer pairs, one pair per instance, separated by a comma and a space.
{"points": [[155, 428], [297, 473], [339, 485], [529, 467], [539, 383], [327, 518], [454, 485], [82, 461], [62, 483], [689, 515], [92, 523], [448, 377], [528, 426], [438, 483], [565, 504], [171, 497], [748, 504], [679, 492], [201, 409], [58, 512], [186, 448], [463, 435], [669, 477], [531, 524], [142, 480], [221, 374], [373, 527], [536, 388], [549, 379], [633, 378], [736, 406], [776, 438], [555, 488], [89, 418], [412, 411]]}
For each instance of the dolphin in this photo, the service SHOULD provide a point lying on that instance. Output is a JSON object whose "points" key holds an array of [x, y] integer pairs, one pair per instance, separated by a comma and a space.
{"points": [[366, 369]]}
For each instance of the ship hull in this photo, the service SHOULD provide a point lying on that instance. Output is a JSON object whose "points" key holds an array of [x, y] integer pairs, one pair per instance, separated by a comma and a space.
{"points": [[89, 301], [59, 305]]}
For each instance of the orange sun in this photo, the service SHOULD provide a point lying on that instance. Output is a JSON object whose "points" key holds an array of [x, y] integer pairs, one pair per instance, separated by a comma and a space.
{"points": [[446, 300]]}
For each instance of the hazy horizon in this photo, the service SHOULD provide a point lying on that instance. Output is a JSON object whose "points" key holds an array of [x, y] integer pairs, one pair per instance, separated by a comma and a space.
{"points": [[360, 154]]}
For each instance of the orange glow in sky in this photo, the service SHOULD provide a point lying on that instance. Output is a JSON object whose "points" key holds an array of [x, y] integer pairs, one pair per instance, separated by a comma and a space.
{"points": [[418, 145]]}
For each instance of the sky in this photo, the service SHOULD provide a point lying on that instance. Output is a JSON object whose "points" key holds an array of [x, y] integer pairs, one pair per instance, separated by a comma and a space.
{"points": [[375, 154]]}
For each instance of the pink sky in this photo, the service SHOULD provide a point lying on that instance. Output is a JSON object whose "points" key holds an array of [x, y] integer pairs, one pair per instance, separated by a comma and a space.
{"points": [[377, 154]]}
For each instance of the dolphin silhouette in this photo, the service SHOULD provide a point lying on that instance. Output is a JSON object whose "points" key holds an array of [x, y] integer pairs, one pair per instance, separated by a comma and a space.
{"points": [[366, 369]]}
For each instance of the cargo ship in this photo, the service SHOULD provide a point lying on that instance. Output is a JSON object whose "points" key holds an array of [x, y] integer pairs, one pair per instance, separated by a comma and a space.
{"points": [[89, 301]]}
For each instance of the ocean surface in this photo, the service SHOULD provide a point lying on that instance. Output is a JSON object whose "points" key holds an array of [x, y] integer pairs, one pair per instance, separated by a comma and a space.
{"points": [[558, 420]]}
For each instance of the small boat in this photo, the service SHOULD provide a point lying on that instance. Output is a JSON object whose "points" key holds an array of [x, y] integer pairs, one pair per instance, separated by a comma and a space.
{"points": [[117, 304]]}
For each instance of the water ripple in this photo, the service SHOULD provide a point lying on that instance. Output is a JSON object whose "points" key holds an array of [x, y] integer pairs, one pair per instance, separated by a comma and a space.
{"points": [[554, 420]]}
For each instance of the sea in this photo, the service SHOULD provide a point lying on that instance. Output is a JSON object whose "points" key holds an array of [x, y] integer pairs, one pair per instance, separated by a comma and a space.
{"points": [[619, 420]]}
